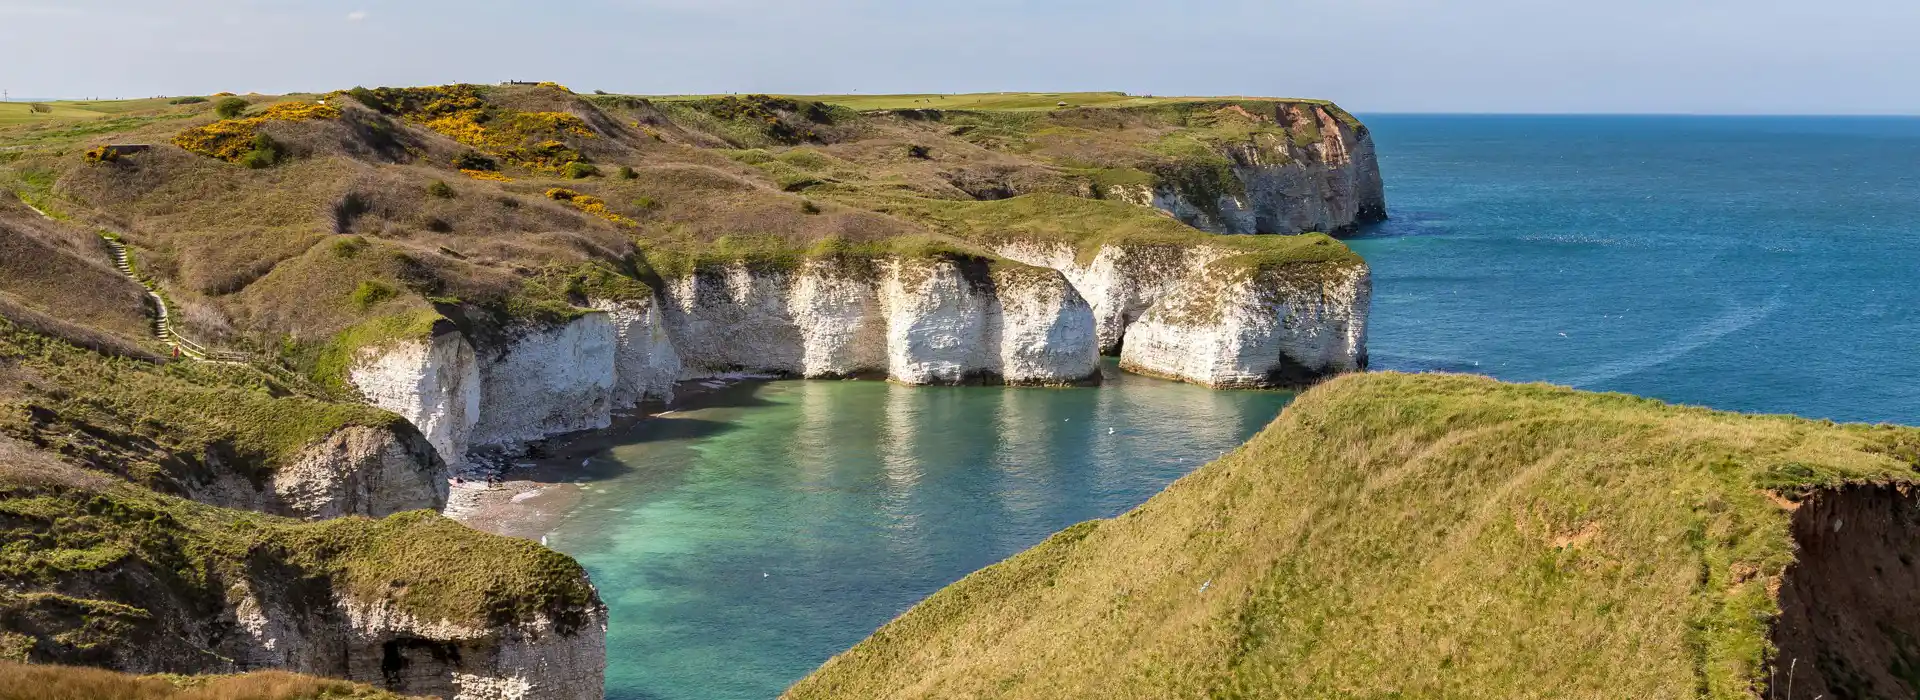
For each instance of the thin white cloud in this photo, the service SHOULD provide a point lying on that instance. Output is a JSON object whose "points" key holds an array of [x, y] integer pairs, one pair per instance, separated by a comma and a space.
{"points": [[356, 15]]}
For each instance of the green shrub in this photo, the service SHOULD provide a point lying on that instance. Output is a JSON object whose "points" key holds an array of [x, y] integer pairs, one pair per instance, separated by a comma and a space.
{"points": [[627, 173], [645, 203], [266, 152], [230, 107], [808, 207], [440, 188], [473, 160], [577, 170], [349, 246], [919, 151], [187, 100], [372, 292]]}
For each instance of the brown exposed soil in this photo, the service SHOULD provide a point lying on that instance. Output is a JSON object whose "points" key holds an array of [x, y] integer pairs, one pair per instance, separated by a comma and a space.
{"points": [[1849, 625]]}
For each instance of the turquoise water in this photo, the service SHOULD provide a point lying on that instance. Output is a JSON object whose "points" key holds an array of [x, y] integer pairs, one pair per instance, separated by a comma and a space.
{"points": [[1751, 264], [741, 541]]}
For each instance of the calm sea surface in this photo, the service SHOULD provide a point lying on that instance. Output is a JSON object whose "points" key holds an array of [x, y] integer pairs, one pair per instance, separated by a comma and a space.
{"points": [[1751, 264]]}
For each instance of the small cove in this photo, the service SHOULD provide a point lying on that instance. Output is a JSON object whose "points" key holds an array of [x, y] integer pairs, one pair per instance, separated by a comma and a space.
{"points": [[757, 529]]}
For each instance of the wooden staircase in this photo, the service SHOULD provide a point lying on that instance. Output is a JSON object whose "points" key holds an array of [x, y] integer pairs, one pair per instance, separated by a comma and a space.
{"points": [[163, 321]]}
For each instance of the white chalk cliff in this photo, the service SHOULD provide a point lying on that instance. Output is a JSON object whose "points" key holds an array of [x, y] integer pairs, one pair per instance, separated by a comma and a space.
{"points": [[375, 643], [915, 321], [1040, 317], [1239, 326]]}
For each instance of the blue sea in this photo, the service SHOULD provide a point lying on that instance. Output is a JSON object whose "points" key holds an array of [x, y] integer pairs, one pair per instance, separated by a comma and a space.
{"points": [[1749, 264]]}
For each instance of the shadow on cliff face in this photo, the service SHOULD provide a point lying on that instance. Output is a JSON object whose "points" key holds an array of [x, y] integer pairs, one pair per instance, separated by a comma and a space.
{"points": [[1849, 625]]}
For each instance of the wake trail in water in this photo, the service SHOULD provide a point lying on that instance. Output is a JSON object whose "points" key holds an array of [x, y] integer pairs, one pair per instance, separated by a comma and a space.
{"points": [[1738, 319]]}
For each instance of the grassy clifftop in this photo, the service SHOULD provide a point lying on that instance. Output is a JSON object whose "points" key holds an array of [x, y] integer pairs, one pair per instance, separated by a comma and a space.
{"points": [[1446, 536], [100, 572], [288, 226]]}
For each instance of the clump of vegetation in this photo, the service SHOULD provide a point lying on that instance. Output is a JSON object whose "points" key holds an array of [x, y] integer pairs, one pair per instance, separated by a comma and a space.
{"points": [[589, 204], [101, 154], [808, 207], [627, 173], [233, 140], [579, 171], [440, 189], [645, 203], [370, 293], [919, 151], [349, 246], [265, 153], [230, 107], [187, 101], [475, 161]]}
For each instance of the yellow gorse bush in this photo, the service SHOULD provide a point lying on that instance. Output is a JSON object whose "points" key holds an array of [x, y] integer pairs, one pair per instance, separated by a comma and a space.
{"points": [[589, 204], [532, 140], [229, 139], [486, 175]]}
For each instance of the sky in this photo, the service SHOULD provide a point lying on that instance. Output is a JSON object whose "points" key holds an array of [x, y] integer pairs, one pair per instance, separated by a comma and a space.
{"points": [[1583, 56]]}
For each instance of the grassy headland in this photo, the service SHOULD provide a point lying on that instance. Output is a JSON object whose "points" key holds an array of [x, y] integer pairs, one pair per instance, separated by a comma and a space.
{"points": [[1417, 536], [291, 225]]}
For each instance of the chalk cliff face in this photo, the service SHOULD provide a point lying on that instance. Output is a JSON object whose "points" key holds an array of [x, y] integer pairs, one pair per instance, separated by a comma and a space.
{"points": [[1205, 315], [362, 470], [375, 643], [1326, 179], [913, 320], [544, 381], [1239, 326], [1120, 282], [916, 321], [548, 381], [433, 383]]}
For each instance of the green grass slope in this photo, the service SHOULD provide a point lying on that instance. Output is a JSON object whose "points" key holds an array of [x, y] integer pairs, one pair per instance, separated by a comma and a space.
{"points": [[1449, 536]]}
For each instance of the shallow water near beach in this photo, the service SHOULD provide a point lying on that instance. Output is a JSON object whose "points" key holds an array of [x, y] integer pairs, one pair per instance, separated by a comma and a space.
{"points": [[1750, 264]]}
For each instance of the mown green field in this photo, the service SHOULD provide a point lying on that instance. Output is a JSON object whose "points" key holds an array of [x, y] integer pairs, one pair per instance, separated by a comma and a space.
{"points": [[12, 113], [66, 110]]}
